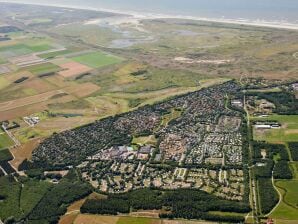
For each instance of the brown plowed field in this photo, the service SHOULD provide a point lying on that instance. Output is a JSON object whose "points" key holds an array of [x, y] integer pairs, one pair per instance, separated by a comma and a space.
{"points": [[13, 104], [72, 69], [82, 90]]}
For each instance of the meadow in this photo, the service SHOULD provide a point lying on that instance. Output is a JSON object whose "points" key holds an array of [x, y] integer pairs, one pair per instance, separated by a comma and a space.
{"points": [[288, 208], [287, 133], [97, 59], [43, 68]]}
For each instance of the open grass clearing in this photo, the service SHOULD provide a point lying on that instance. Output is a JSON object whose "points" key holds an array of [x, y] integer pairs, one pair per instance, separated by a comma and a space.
{"points": [[97, 59], [5, 140], [287, 133], [144, 140], [3, 82], [288, 208], [82, 90]]}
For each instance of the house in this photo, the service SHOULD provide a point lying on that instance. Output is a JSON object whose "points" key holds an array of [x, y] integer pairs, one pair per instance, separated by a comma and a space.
{"points": [[295, 86], [145, 149], [263, 126], [237, 103]]}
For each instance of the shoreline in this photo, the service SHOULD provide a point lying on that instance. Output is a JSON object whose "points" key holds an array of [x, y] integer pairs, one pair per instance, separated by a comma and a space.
{"points": [[138, 16]]}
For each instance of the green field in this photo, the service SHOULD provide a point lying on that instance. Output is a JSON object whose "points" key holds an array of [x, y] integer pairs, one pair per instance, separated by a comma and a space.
{"points": [[97, 59], [3, 82], [21, 49], [39, 48], [287, 133], [55, 54], [14, 50], [2, 61], [5, 140], [288, 208], [43, 68]]}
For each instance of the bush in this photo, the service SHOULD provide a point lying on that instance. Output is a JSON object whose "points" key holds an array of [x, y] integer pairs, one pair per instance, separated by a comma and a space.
{"points": [[5, 155]]}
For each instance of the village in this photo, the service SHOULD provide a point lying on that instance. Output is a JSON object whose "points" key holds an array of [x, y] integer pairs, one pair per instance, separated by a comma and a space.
{"points": [[200, 147]]}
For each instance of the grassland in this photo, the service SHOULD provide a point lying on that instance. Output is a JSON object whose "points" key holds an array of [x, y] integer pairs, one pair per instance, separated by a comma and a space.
{"points": [[5, 140], [287, 133], [55, 54], [97, 59], [43, 68], [22, 49], [3, 83], [288, 208]]}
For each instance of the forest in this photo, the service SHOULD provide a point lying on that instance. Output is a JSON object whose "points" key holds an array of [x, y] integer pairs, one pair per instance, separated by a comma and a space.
{"points": [[181, 203], [293, 146], [285, 102]]}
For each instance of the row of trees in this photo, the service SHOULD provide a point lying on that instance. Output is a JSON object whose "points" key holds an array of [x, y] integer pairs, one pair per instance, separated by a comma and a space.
{"points": [[183, 203]]}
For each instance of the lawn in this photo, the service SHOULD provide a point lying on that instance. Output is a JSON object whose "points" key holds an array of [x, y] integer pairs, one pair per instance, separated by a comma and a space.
{"points": [[97, 59], [287, 133], [43, 68], [5, 140]]}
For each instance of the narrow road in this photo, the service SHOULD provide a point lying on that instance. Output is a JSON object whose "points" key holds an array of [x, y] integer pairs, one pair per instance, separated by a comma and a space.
{"points": [[252, 182]]}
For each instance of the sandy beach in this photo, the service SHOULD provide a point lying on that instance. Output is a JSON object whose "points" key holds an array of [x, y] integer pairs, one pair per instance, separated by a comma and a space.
{"points": [[132, 17]]}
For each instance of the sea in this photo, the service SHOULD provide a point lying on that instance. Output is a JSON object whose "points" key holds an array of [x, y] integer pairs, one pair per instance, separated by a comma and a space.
{"points": [[278, 11]]}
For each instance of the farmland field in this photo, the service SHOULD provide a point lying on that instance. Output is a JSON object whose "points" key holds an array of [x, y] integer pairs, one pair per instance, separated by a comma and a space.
{"points": [[101, 219], [97, 59], [43, 68], [55, 54]]}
